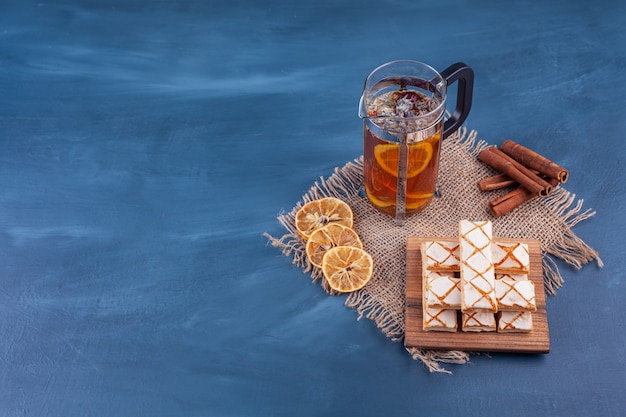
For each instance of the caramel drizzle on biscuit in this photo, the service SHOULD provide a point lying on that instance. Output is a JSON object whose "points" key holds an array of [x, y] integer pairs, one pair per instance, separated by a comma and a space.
{"points": [[435, 318], [509, 254], [510, 325], [455, 285], [470, 320], [444, 263], [511, 288], [485, 295]]}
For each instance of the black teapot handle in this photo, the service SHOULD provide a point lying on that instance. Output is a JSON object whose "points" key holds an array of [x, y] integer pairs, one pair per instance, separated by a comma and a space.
{"points": [[465, 77]]}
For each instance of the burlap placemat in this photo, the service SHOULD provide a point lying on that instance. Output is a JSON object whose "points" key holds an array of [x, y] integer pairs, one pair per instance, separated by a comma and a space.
{"points": [[382, 300]]}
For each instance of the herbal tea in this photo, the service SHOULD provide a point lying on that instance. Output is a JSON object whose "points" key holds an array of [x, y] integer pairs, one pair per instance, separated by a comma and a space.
{"points": [[397, 111], [403, 106]]}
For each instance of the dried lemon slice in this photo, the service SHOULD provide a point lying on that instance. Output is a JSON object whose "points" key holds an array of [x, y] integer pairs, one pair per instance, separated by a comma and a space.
{"points": [[318, 213], [346, 268], [420, 154], [327, 238]]}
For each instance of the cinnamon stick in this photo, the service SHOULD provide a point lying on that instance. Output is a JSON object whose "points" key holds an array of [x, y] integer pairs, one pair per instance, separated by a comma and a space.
{"points": [[526, 171], [506, 203], [502, 205], [495, 182], [497, 159], [533, 160]]}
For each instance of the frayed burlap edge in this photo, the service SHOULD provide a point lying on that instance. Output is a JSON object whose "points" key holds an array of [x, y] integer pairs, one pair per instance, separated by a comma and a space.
{"points": [[346, 182]]}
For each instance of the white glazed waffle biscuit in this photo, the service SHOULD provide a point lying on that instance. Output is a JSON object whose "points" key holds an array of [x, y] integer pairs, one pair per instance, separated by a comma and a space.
{"points": [[510, 257], [512, 277], [478, 321], [440, 255], [515, 321], [440, 319], [515, 295], [442, 290], [477, 271]]}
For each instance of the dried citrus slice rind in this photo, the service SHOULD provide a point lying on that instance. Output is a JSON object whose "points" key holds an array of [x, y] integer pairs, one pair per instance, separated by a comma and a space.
{"points": [[346, 268], [319, 213], [420, 154], [328, 237]]}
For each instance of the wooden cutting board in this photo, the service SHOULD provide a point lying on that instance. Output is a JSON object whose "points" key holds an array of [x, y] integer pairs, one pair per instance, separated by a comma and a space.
{"points": [[535, 341]]}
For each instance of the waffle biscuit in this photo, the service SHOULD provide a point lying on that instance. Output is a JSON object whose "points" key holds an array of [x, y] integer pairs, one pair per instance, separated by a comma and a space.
{"points": [[514, 295], [442, 290], [515, 321], [440, 319], [440, 255], [512, 258], [477, 271], [512, 277], [507, 257], [478, 321]]}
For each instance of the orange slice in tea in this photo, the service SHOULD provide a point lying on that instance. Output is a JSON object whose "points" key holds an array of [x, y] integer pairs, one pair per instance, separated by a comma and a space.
{"points": [[379, 202], [318, 213], [420, 153], [413, 200], [409, 197], [327, 238], [347, 269]]}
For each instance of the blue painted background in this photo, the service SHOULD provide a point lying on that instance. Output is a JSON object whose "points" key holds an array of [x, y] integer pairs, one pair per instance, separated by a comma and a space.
{"points": [[146, 146]]}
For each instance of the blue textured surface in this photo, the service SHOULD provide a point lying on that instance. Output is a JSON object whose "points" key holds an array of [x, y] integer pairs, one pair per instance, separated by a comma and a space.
{"points": [[146, 146]]}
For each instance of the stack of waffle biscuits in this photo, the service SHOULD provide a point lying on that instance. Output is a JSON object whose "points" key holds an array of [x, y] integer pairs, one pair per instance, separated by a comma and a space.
{"points": [[475, 283]]}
